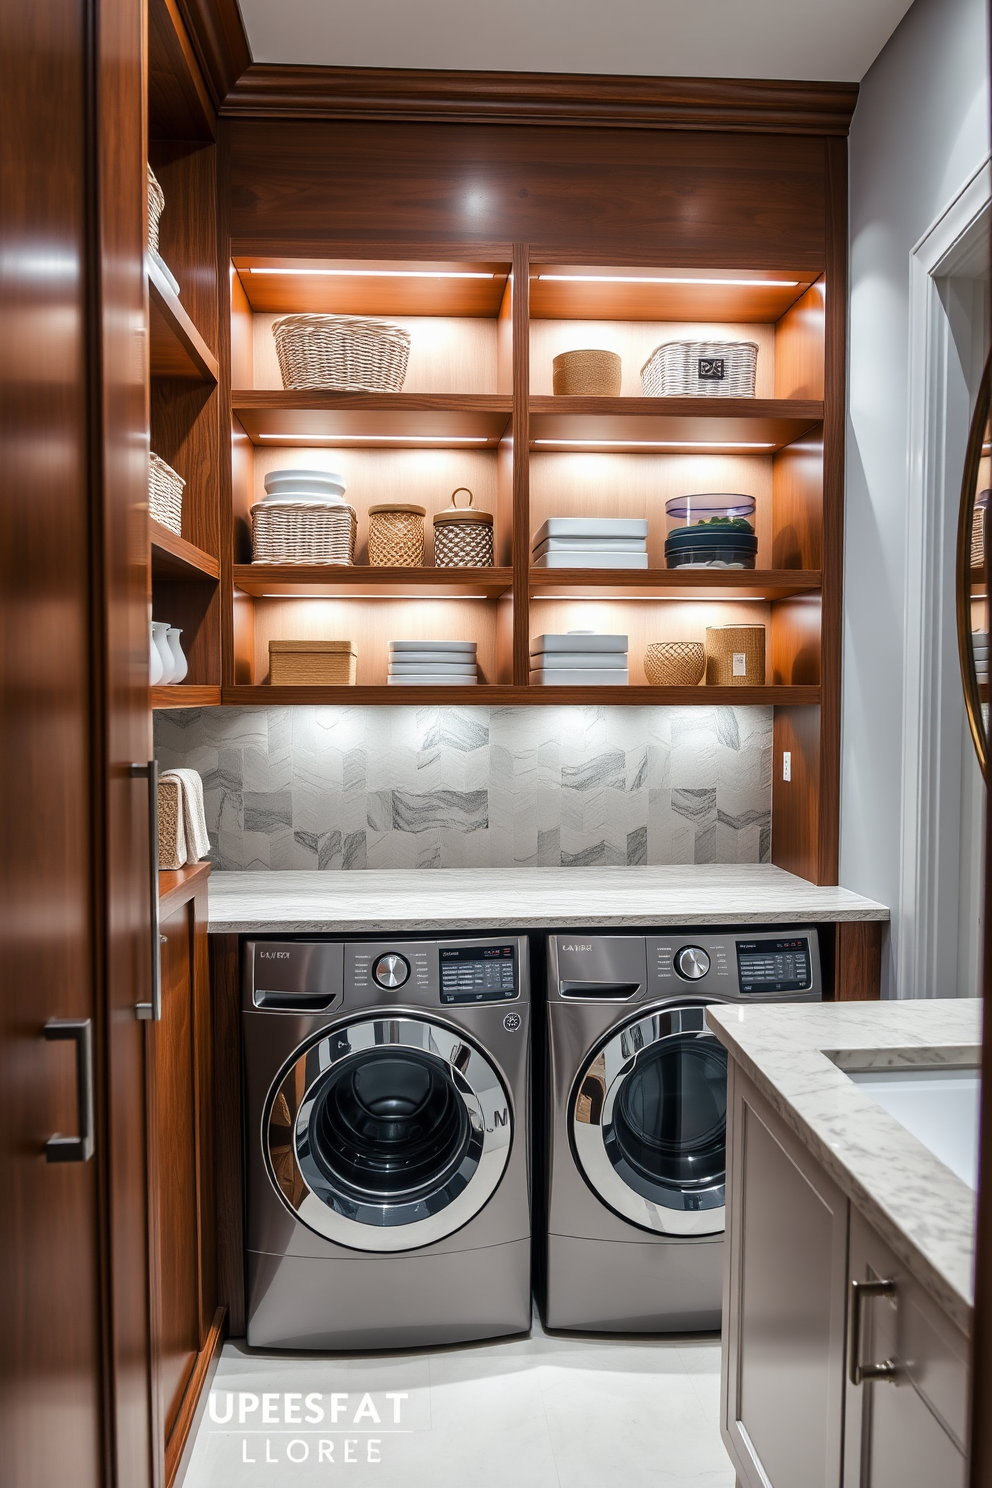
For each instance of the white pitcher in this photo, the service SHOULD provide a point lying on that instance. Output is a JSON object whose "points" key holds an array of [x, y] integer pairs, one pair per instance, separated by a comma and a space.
{"points": [[160, 633], [181, 666], [154, 658]]}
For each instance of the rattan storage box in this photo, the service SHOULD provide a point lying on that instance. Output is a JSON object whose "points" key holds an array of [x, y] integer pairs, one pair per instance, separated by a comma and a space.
{"points": [[312, 663], [735, 656]]}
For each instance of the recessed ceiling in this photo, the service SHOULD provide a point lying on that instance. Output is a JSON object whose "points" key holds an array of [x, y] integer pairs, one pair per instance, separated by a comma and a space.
{"points": [[811, 40]]}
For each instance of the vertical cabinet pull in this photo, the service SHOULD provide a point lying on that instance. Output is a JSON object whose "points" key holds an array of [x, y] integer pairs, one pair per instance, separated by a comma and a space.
{"points": [[858, 1373], [79, 1149], [152, 1010]]}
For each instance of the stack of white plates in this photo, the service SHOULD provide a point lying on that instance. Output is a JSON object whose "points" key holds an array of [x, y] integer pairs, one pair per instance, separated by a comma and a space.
{"points": [[580, 658], [980, 651], [323, 487], [432, 664], [591, 542]]}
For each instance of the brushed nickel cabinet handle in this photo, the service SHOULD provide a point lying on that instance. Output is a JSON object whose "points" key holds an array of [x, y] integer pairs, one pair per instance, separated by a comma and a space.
{"points": [[858, 1373], [79, 1149], [152, 1010]]}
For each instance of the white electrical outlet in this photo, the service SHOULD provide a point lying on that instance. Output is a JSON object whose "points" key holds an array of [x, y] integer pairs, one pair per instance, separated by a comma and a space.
{"points": [[786, 764]]}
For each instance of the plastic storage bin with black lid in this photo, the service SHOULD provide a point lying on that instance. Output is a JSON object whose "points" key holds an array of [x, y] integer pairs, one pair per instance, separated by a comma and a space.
{"points": [[710, 530]]}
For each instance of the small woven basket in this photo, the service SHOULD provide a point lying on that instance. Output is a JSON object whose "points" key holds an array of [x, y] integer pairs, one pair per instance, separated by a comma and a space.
{"points": [[165, 494], [735, 656], [396, 536], [303, 532], [342, 352], [701, 369], [463, 537], [156, 206], [312, 663], [978, 532], [675, 663], [589, 374]]}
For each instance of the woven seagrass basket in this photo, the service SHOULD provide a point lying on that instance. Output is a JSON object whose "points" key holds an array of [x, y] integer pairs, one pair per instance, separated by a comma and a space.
{"points": [[978, 531], [343, 352], [735, 656], [396, 536], [312, 663], [588, 374], [463, 537], [303, 532], [701, 369], [675, 663], [156, 206], [165, 494]]}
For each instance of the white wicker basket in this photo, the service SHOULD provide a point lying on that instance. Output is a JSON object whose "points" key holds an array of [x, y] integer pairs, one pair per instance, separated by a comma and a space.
{"points": [[156, 206], [165, 494], [700, 369], [341, 352], [303, 532]]}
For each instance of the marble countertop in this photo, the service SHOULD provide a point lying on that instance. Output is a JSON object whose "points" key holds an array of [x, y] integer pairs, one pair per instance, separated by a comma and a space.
{"points": [[797, 1053], [450, 899]]}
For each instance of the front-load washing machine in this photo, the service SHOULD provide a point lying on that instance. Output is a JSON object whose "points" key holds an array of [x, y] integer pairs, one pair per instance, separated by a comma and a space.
{"points": [[387, 1141], [635, 1103]]}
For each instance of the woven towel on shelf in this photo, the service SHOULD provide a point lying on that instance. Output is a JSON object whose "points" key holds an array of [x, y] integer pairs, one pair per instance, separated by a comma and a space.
{"points": [[189, 835], [171, 826]]}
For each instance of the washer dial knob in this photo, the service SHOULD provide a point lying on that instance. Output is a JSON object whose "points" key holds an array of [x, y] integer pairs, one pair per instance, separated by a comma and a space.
{"points": [[692, 963], [391, 970]]}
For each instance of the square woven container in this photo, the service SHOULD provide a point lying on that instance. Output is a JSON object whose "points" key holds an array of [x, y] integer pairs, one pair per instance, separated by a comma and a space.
{"points": [[735, 656], [165, 494], [341, 352], [303, 532], [312, 663], [701, 369]]}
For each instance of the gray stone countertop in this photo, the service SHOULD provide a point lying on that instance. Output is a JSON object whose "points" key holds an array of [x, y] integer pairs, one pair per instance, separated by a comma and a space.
{"points": [[796, 1055], [454, 899]]}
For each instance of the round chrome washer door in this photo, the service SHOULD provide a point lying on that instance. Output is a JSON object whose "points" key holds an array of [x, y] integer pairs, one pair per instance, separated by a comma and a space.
{"points": [[648, 1119], [387, 1133]]}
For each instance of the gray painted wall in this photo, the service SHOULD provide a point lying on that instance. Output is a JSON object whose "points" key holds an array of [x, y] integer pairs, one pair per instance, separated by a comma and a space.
{"points": [[919, 132], [475, 787]]}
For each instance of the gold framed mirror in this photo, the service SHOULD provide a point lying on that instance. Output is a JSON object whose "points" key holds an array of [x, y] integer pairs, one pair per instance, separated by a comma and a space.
{"points": [[974, 545]]}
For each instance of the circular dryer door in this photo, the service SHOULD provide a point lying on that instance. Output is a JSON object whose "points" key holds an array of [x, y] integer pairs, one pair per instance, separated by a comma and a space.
{"points": [[649, 1120], [387, 1133]]}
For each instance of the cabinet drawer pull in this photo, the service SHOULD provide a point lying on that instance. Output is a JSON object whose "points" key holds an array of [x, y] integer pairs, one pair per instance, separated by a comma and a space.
{"points": [[75, 1149], [858, 1373], [152, 1010]]}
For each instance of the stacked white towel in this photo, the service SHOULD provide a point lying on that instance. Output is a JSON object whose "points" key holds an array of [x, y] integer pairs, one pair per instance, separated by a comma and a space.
{"points": [[432, 664], [591, 542], [183, 835], [579, 658]]}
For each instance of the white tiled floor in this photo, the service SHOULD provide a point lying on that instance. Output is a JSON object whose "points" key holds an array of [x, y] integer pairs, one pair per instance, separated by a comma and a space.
{"points": [[538, 1412]]}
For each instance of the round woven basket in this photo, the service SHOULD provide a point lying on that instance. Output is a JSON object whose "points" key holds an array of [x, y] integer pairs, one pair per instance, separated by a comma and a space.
{"points": [[341, 352], [588, 374], [303, 532], [156, 206], [735, 655], [463, 537], [396, 536], [675, 663], [165, 494]]}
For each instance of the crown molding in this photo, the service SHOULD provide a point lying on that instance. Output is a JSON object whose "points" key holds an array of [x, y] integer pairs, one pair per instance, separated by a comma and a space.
{"points": [[218, 36], [568, 100]]}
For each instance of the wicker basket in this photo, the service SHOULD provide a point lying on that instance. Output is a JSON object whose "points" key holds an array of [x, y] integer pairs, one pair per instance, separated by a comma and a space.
{"points": [[587, 374], [156, 206], [735, 656], [312, 663], [171, 827], [165, 494], [978, 531], [396, 536], [675, 663], [463, 537], [701, 369], [303, 532], [342, 352]]}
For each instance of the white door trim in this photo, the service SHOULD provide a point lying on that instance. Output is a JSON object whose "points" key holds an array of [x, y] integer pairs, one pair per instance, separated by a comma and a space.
{"points": [[932, 755]]}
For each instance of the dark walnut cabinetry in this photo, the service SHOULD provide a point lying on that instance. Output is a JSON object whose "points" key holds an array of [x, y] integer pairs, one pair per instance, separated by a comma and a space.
{"points": [[793, 1417], [186, 1321]]}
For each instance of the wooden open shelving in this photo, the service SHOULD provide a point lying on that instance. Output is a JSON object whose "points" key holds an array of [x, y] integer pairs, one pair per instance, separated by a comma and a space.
{"points": [[299, 580], [677, 425], [175, 558], [664, 583], [176, 347], [516, 696], [185, 695], [365, 420]]}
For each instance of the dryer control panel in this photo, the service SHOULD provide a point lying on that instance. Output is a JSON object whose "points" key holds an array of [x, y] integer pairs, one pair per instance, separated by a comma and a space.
{"points": [[780, 963]]}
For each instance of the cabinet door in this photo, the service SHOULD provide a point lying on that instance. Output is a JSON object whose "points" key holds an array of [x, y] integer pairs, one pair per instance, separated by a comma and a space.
{"points": [[786, 1255], [910, 1433]]}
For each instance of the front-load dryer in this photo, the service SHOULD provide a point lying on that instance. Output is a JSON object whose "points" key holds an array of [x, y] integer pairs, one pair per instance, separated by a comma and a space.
{"points": [[387, 1142], [635, 1098]]}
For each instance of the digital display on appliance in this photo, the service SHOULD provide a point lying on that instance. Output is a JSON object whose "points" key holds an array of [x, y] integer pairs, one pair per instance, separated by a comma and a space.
{"points": [[478, 973], [774, 965]]}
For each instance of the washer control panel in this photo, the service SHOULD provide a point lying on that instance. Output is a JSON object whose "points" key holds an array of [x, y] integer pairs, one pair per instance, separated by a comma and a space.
{"points": [[486, 973], [781, 963], [774, 964]]}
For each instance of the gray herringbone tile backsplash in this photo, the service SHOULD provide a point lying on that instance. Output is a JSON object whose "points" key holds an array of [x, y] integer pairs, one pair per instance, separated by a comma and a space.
{"points": [[474, 787]]}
